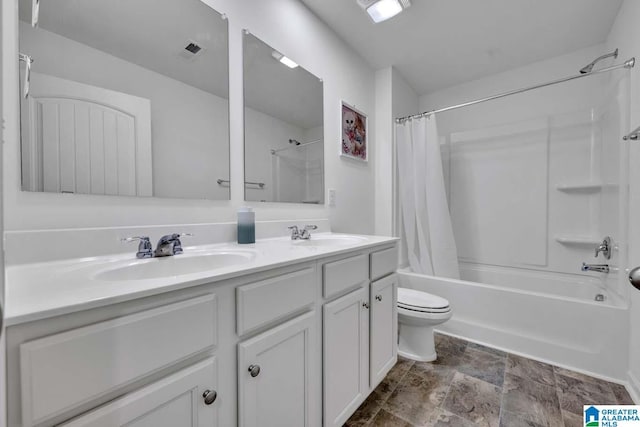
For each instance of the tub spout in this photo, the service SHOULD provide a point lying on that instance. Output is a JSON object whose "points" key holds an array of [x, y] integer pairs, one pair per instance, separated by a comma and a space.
{"points": [[601, 268]]}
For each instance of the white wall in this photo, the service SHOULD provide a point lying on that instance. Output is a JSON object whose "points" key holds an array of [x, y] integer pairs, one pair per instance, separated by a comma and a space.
{"points": [[508, 156], [394, 98], [262, 133], [289, 27], [384, 160], [189, 127], [625, 35], [315, 164]]}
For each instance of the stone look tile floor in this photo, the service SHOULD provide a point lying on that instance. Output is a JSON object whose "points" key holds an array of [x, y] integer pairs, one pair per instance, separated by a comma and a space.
{"points": [[471, 385]]}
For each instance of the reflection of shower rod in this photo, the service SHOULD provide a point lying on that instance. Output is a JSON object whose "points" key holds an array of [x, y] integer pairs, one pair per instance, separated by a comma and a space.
{"points": [[633, 135], [297, 145]]}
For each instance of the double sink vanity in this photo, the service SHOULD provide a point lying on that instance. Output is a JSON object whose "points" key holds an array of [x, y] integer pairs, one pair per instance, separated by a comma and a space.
{"points": [[123, 99], [278, 333]]}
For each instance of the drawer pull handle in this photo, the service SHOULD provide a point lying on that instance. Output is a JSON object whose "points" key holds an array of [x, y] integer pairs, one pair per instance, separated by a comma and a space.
{"points": [[254, 370], [365, 305], [210, 396], [379, 297]]}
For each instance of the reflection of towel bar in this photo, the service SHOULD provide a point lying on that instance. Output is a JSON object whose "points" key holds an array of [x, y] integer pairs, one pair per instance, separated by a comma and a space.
{"points": [[226, 181], [634, 135]]}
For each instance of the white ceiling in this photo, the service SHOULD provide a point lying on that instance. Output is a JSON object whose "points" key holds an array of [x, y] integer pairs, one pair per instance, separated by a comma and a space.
{"points": [[440, 43], [148, 33], [292, 95], [153, 34]]}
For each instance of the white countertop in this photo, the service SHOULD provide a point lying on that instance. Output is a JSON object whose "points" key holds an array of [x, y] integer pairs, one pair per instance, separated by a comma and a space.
{"points": [[41, 290]]}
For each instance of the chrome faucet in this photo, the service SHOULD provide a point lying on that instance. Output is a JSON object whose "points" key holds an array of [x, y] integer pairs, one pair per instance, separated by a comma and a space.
{"points": [[170, 245], [304, 234], [605, 248], [601, 268], [144, 247]]}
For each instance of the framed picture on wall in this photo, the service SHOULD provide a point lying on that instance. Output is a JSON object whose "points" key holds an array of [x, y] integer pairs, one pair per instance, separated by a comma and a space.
{"points": [[354, 133]]}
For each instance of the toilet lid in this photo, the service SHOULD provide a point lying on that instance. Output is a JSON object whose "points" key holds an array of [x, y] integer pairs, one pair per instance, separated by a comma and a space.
{"points": [[421, 301]]}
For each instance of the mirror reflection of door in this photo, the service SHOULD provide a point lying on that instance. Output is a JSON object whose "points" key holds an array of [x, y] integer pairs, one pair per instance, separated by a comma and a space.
{"points": [[127, 97], [84, 139], [284, 128]]}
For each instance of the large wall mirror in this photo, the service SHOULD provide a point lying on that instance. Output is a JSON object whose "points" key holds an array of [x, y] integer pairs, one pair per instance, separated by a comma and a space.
{"points": [[126, 98], [283, 128]]}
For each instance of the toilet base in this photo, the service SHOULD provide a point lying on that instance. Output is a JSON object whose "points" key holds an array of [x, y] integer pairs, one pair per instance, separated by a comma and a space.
{"points": [[417, 343], [411, 356]]}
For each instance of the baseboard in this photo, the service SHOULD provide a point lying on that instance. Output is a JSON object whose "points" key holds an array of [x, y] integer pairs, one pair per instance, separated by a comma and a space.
{"points": [[633, 387]]}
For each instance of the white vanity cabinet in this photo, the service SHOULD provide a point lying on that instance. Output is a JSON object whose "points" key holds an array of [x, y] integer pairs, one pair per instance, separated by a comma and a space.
{"points": [[359, 331], [384, 327], [300, 345], [186, 399], [275, 375], [346, 355]]}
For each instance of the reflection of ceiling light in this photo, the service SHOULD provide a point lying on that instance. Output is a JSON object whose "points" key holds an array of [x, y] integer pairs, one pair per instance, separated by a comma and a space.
{"points": [[381, 10], [283, 59]]}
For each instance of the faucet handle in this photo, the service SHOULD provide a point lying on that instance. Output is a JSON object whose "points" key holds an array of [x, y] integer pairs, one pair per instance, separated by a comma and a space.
{"points": [[144, 247], [311, 227], [134, 238], [177, 246], [605, 248], [295, 232]]}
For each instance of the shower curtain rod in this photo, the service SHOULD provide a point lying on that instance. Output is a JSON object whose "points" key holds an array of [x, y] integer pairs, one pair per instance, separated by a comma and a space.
{"points": [[627, 64], [296, 146]]}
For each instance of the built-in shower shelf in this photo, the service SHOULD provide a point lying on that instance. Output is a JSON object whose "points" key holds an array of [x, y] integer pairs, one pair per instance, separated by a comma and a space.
{"points": [[580, 187], [572, 240]]}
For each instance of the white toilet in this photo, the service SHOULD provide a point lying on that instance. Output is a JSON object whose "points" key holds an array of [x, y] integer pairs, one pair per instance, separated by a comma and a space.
{"points": [[418, 313]]}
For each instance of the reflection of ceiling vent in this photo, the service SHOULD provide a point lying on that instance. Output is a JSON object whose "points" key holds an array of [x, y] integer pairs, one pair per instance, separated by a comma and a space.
{"points": [[191, 50]]}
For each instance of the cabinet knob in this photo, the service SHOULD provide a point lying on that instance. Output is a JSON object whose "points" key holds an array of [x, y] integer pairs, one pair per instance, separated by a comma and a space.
{"points": [[378, 297], [365, 305], [210, 396], [254, 370]]}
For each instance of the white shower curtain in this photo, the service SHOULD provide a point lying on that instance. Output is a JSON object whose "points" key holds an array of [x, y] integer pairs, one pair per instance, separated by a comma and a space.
{"points": [[423, 200]]}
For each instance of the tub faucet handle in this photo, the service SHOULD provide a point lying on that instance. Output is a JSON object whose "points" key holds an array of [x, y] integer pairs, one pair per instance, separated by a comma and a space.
{"points": [[605, 248]]}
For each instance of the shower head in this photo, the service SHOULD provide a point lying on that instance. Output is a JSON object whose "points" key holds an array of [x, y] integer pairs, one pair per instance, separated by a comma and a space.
{"points": [[589, 68]]}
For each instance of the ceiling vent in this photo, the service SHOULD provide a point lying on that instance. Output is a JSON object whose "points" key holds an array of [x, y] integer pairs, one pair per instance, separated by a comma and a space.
{"points": [[191, 50]]}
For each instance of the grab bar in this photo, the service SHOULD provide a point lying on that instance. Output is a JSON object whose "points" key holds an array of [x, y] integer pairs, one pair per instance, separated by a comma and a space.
{"points": [[259, 184]]}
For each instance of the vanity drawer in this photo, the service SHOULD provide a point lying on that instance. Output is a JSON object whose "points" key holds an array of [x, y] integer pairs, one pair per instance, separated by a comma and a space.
{"points": [[339, 276], [63, 371], [383, 262], [268, 300]]}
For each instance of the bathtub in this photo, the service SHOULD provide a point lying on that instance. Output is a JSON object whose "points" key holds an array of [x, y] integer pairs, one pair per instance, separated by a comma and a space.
{"points": [[554, 318]]}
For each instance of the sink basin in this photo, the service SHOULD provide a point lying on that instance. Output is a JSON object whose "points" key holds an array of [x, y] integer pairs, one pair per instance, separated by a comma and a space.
{"points": [[329, 240], [154, 268]]}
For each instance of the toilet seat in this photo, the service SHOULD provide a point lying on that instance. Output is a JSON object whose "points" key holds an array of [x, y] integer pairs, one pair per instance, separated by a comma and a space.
{"points": [[422, 302]]}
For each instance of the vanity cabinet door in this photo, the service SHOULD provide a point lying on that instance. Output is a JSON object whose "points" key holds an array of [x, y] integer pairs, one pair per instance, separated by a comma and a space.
{"points": [[346, 355], [186, 399], [276, 376], [384, 327]]}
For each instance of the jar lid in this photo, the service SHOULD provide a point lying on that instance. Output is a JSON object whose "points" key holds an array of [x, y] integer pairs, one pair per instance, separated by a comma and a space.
{"points": [[245, 209]]}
